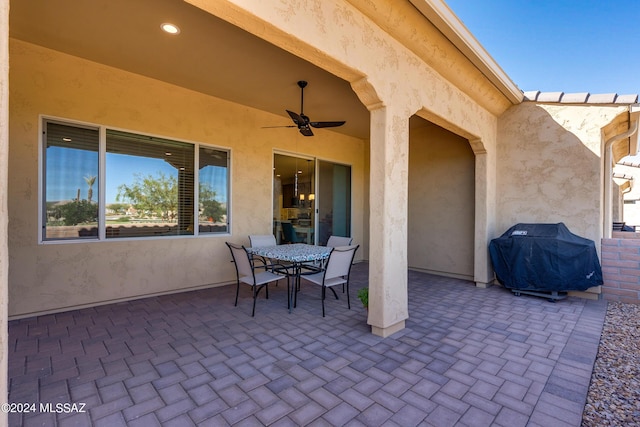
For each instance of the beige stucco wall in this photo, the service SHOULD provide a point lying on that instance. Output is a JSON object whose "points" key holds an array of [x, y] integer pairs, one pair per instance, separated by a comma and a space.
{"points": [[550, 166], [56, 276], [405, 23], [441, 203], [4, 162]]}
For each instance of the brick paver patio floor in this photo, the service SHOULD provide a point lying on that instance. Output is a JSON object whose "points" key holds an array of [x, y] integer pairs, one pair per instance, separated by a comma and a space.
{"points": [[467, 357]]}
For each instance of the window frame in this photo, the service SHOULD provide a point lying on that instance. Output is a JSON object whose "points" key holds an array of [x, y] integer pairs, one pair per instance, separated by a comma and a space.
{"points": [[44, 120]]}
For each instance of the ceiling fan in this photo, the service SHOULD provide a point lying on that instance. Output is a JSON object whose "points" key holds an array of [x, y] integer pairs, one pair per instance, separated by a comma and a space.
{"points": [[302, 122]]}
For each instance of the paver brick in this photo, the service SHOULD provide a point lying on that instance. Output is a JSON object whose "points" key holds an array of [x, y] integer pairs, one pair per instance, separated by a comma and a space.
{"points": [[273, 412], [173, 410], [387, 400], [110, 408], [263, 396], [324, 398], [172, 393], [208, 410], [477, 417], [443, 417], [483, 403], [307, 413], [455, 389], [510, 418], [515, 404], [143, 408], [456, 405]]}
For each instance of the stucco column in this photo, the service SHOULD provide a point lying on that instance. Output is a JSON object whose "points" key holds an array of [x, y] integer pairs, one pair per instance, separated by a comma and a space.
{"points": [[4, 189], [389, 162], [484, 213]]}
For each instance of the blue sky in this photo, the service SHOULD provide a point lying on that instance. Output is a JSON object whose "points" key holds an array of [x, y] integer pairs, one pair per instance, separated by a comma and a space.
{"points": [[560, 45]]}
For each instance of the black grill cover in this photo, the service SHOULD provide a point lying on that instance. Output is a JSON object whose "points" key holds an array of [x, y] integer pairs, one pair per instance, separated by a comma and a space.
{"points": [[545, 257]]}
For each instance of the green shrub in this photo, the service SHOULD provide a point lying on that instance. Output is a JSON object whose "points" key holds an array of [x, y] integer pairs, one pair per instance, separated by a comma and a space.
{"points": [[77, 212], [363, 296]]}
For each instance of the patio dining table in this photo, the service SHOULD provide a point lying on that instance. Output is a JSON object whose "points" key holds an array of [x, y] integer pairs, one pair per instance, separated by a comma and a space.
{"points": [[297, 254]]}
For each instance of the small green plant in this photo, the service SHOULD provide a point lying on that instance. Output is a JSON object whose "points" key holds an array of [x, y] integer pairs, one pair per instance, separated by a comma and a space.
{"points": [[363, 296]]}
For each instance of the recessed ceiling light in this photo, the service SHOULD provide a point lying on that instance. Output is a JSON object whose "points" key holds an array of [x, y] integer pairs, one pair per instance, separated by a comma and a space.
{"points": [[170, 28]]}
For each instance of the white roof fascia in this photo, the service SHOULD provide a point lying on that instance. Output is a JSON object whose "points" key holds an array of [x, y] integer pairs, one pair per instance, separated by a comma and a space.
{"points": [[450, 25]]}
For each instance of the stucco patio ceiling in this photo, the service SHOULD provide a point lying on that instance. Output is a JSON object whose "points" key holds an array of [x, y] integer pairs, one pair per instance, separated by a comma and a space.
{"points": [[209, 55]]}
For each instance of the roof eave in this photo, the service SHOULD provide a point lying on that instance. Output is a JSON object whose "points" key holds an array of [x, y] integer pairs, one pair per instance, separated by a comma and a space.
{"points": [[450, 25], [634, 116]]}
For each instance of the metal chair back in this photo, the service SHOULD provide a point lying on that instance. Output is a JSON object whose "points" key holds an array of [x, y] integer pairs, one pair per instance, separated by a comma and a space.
{"points": [[335, 241], [340, 261], [259, 240], [242, 260]]}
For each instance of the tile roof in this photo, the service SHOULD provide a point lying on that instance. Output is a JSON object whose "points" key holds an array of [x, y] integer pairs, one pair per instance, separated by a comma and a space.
{"points": [[579, 98], [631, 161], [620, 175]]}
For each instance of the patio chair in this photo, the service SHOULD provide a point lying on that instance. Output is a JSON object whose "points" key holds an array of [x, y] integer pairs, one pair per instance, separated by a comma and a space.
{"points": [[246, 273], [335, 241], [260, 240], [336, 272]]}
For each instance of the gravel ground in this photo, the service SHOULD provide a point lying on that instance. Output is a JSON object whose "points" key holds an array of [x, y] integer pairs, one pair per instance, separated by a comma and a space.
{"points": [[614, 392]]}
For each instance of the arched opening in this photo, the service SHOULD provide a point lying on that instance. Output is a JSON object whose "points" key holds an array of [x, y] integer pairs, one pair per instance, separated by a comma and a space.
{"points": [[441, 201]]}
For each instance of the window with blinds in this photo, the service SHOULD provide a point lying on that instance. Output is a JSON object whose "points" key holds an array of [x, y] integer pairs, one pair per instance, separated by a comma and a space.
{"points": [[147, 188], [212, 190], [70, 208]]}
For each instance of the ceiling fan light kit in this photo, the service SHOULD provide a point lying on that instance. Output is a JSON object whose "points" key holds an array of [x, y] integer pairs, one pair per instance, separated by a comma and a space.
{"points": [[302, 122]]}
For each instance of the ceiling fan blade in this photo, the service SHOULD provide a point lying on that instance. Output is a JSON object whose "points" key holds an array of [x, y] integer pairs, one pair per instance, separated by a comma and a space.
{"points": [[326, 124], [273, 127], [306, 131], [297, 119]]}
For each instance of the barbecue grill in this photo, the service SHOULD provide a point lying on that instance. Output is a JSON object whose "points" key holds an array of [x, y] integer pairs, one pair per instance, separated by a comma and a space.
{"points": [[545, 259]]}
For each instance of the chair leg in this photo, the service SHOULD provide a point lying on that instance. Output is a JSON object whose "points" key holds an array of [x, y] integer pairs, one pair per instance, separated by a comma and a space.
{"points": [[324, 293], [237, 292], [334, 293], [296, 285], [288, 296], [348, 301], [255, 296]]}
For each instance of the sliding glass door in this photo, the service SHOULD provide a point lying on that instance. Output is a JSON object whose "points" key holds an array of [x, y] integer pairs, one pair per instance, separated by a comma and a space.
{"points": [[307, 209], [334, 201], [294, 183]]}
